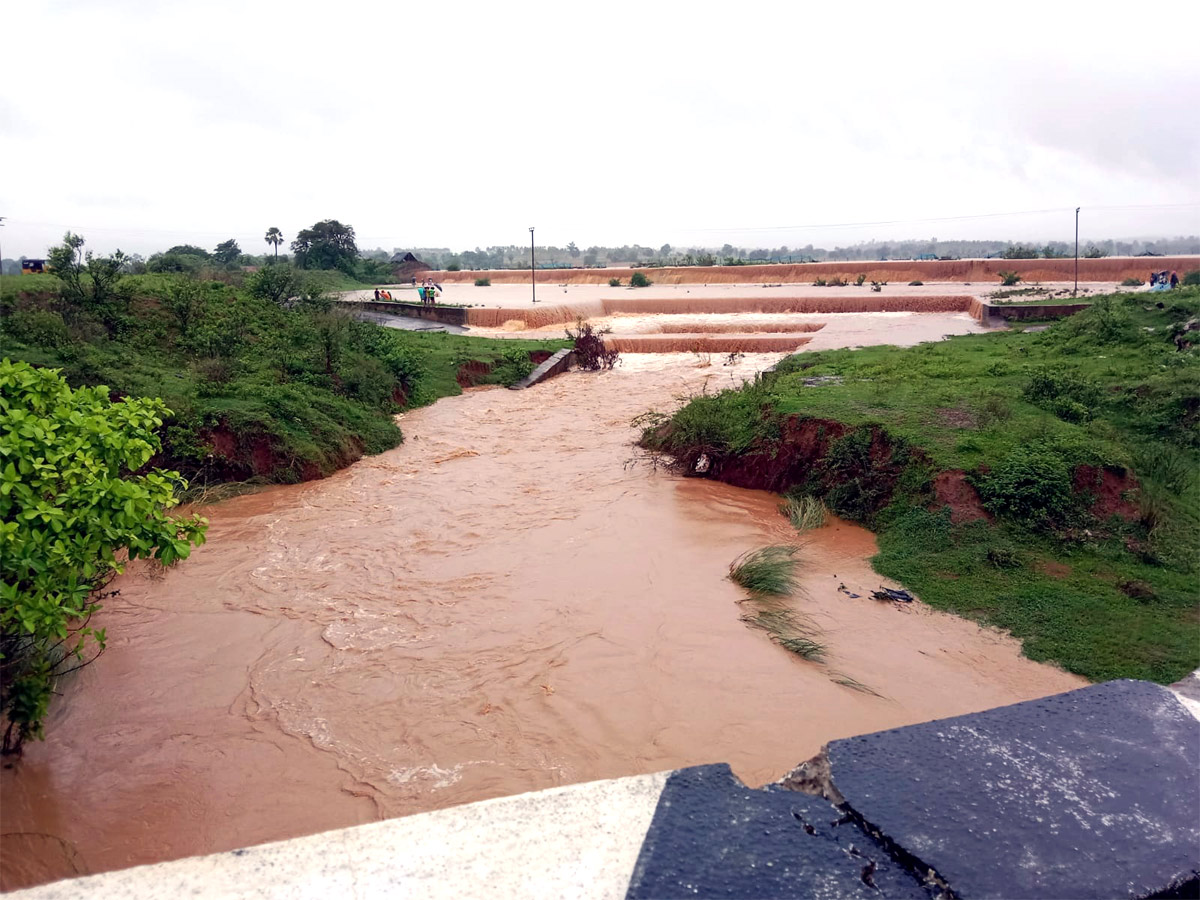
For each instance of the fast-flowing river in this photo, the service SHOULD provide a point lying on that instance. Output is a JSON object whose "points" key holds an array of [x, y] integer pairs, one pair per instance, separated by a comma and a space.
{"points": [[501, 604]]}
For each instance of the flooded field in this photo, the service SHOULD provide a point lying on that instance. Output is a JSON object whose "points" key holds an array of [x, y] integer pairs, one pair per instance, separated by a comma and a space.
{"points": [[507, 602]]}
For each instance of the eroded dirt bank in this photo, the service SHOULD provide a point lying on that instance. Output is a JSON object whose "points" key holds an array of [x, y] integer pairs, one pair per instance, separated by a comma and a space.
{"points": [[499, 605]]}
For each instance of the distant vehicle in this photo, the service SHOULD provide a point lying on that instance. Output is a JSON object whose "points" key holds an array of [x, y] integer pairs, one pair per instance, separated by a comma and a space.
{"points": [[33, 266]]}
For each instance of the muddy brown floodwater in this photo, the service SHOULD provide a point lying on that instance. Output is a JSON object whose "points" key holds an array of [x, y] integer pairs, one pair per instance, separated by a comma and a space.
{"points": [[498, 605]]}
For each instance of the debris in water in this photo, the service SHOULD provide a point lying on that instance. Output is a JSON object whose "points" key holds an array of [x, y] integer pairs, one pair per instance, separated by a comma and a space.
{"points": [[887, 594], [848, 593], [702, 464]]}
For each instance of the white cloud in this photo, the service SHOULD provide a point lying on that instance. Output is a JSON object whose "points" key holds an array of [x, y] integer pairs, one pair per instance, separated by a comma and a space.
{"points": [[458, 124]]}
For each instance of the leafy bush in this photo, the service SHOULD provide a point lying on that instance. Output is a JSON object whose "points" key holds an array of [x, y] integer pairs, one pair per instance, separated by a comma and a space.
{"points": [[614, 282], [639, 279], [1067, 394], [1132, 282], [1008, 279], [768, 570], [453, 267], [36, 327], [68, 506], [513, 366], [1031, 485], [590, 352], [275, 283], [860, 279], [1191, 279], [483, 282]]}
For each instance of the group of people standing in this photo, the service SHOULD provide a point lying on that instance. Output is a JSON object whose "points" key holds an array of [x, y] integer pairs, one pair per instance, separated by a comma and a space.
{"points": [[427, 292], [1157, 278]]}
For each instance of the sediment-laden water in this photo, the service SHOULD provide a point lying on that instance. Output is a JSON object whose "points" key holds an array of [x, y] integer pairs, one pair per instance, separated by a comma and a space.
{"points": [[501, 604]]}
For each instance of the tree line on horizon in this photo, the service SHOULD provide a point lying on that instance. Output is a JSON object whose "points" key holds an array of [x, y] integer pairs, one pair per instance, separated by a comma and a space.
{"points": [[329, 244]]}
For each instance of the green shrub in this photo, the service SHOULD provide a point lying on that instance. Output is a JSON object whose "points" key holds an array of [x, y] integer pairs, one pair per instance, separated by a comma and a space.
{"points": [[483, 282], [860, 279], [1132, 282], [1008, 279], [454, 267], [68, 507], [513, 366], [1067, 394], [639, 279], [1191, 279], [768, 570], [1031, 485], [614, 282], [36, 327]]}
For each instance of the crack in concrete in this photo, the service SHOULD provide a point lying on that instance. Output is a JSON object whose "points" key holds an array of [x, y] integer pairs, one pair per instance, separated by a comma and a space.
{"points": [[815, 777]]}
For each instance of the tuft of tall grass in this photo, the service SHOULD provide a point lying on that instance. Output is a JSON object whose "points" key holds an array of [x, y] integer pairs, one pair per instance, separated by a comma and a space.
{"points": [[804, 512], [768, 570], [785, 628]]}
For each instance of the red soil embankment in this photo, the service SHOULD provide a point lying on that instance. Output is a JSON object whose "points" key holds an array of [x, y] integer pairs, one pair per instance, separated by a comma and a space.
{"points": [[703, 343], [1115, 268], [561, 314]]}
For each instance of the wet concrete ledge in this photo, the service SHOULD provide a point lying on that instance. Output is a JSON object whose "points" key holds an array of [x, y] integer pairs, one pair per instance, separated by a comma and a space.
{"points": [[1007, 312], [447, 315], [560, 362], [1091, 793]]}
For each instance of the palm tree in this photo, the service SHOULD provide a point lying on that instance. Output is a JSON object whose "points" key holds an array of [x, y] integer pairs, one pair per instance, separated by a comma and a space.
{"points": [[274, 236]]}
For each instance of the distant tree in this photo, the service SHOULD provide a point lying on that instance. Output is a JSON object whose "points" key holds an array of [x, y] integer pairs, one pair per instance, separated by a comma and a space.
{"points": [[227, 252], [1020, 251], [190, 250], [1049, 252], [573, 250], [274, 237], [327, 245], [639, 279], [87, 279], [1094, 252], [665, 250]]}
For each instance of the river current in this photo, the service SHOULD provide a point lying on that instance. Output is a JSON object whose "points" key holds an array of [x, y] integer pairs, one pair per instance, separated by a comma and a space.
{"points": [[509, 601]]}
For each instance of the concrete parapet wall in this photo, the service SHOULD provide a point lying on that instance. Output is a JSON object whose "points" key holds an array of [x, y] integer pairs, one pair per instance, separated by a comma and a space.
{"points": [[555, 365], [447, 315]]}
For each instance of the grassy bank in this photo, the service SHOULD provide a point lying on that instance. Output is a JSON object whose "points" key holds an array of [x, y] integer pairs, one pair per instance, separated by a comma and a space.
{"points": [[259, 389], [1044, 482]]}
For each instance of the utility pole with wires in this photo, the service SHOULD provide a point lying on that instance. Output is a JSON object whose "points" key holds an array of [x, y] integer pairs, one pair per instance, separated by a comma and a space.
{"points": [[532, 267], [1075, 293]]}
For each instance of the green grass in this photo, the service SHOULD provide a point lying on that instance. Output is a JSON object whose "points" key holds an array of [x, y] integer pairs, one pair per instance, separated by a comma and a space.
{"points": [[804, 512], [785, 627], [247, 367], [1017, 413], [768, 570]]}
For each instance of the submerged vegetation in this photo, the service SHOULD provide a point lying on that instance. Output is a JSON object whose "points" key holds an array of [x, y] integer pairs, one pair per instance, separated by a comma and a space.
{"points": [[1046, 483], [804, 512], [768, 570]]}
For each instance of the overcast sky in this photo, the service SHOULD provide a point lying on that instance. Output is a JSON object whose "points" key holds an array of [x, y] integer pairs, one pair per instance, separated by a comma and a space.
{"points": [[144, 124]]}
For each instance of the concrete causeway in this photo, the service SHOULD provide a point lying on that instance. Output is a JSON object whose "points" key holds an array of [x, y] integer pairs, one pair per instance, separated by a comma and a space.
{"points": [[1094, 793]]}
